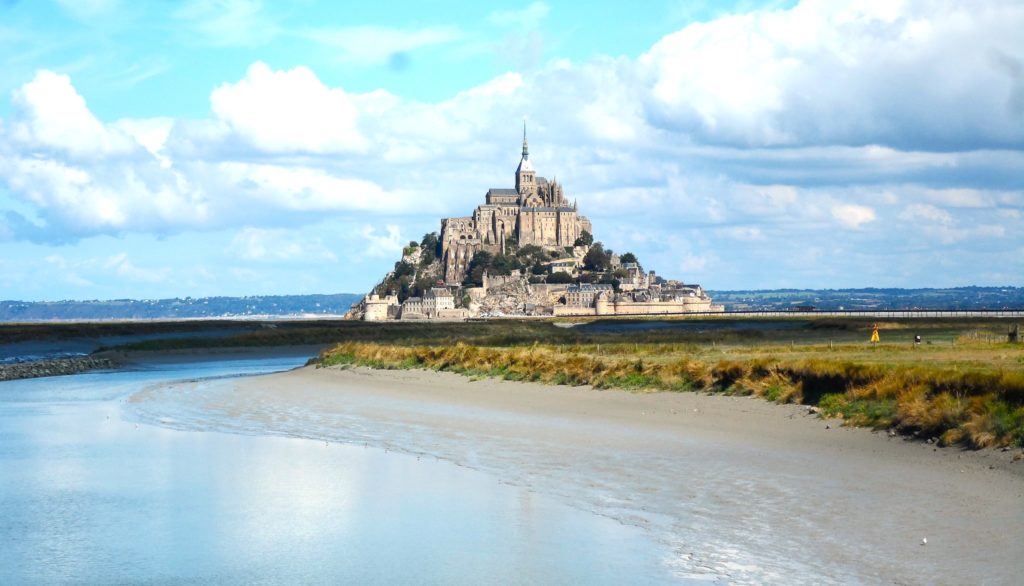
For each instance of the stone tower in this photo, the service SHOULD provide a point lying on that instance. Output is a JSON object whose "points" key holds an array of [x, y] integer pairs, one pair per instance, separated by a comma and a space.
{"points": [[536, 213], [526, 177]]}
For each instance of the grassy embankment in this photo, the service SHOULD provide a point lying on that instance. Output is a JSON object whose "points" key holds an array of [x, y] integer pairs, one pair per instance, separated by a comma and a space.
{"points": [[961, 386]]}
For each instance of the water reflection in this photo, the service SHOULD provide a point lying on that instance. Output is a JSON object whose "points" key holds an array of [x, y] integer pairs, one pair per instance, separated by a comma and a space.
{"points": [[86, 498]]}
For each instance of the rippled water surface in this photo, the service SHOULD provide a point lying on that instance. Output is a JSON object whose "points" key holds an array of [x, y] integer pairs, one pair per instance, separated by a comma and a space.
{"points": [[87, 497]]}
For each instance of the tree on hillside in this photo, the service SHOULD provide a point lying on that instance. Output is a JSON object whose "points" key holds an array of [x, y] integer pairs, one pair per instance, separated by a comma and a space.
{"points": [[504, 264], [597, 259], [431, 248], [477, 265], [404, 288], [609, 278], [422, 285], [628, 257], [585, 239], [403, 269], [532, 251]]}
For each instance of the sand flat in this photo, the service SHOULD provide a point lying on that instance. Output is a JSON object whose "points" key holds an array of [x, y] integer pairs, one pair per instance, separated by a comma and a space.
{"points": [[740, 489]]}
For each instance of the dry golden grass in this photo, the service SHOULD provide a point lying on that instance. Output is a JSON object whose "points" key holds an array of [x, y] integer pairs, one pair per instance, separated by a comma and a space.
{"points": [[972, 394]]}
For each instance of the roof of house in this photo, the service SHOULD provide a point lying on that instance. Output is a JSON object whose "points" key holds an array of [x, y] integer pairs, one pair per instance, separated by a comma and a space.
{"points": [[589, 287]]}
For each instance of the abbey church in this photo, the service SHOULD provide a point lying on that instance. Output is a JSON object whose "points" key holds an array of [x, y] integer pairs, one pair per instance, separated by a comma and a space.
{"points": [[534, 212], [541, 260]]}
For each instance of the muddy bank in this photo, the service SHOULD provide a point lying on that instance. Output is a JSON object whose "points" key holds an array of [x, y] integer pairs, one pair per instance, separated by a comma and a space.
{"points": [[741, 490]]}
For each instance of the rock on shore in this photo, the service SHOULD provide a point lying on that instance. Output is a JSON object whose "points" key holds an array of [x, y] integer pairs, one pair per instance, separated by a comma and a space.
{"points": [[54, 367]]}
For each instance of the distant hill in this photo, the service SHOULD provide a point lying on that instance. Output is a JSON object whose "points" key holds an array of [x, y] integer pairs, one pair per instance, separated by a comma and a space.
{"points": [[189, 307], [872, 298]]}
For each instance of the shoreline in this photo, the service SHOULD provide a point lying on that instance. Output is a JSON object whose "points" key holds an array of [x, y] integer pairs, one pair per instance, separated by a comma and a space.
{"points": [[717, 415], [113, 360], [191, 355], [726, 482]]}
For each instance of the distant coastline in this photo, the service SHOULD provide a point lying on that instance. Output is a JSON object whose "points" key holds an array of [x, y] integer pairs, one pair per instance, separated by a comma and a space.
{"points": [[336, 305], [251, 307]]}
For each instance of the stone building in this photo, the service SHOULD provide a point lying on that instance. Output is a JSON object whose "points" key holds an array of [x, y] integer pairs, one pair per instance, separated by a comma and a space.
{"points": [[437, 300], [534, 212], [687, 299], [412, 308], [379, 308], [635, 277], [584, 294]]}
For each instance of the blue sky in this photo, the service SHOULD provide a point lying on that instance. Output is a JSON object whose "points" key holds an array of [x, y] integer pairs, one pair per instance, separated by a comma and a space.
{"points": [[233, 147]]}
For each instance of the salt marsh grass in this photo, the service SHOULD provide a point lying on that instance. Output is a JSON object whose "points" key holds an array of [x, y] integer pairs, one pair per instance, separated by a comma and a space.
{"points": [[967, 392]]}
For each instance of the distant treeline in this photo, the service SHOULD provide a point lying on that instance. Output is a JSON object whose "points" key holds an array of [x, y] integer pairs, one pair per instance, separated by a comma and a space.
{"points": [[189, 307], [872, 298]]}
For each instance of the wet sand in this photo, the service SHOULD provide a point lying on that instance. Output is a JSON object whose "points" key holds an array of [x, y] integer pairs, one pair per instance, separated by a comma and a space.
{"points": [[737, 488]]}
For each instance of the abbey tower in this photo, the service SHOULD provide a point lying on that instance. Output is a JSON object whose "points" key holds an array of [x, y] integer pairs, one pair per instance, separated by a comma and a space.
{"points": [[534, 212]]}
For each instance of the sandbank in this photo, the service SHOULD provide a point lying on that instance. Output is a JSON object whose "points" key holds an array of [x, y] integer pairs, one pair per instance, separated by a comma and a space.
{"points": [[738, 488]]}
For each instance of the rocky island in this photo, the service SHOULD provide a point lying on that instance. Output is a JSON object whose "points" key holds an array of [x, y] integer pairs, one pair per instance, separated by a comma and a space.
{"points": [[526, 251]]}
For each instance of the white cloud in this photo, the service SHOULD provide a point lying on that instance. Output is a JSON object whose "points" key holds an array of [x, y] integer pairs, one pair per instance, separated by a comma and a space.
{"points": [[56, 260], [382, 245], [288, 111], [660, 142], [82, 177], [151, 133], [852, 215], [104, 198], [960, 197], [903, 73], [694, 263], [124, 267], [241, 23], [297, 188], [529, 17], [743, 233], [378, 45], [278, 245], [948, 234], [919, 212], [50, 114]]}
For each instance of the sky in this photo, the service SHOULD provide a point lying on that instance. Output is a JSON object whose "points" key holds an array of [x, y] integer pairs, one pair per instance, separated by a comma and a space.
{"points": [[240, 147]]}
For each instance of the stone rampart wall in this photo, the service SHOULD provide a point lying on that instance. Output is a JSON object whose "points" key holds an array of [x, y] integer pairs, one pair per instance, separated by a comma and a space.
{"points": [[54, 367]]}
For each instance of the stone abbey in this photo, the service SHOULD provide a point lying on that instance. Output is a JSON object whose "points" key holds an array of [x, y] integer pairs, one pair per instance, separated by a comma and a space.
{"points": [[523, 252], [534, 212]]}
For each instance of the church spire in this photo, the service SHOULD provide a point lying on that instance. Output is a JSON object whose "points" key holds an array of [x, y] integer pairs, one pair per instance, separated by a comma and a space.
{"points": [[526, 149]]}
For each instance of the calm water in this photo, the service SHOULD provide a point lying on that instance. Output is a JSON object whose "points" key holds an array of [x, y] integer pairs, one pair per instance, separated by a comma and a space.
{"points": [[89, 498]]}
